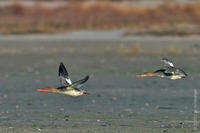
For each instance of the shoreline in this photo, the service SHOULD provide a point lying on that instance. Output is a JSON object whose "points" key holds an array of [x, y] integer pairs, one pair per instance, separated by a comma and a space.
{"points": [[100, 41]]}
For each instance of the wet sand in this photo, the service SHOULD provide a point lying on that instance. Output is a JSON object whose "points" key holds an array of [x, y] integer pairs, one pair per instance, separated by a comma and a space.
{"points": [[118, 101]]}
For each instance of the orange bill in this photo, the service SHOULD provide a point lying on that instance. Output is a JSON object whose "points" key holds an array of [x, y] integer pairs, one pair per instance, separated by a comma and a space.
{"points": [[48, 90]]}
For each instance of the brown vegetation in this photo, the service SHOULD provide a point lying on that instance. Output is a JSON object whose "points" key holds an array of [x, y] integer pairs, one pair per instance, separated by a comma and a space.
{"points": [[137, 49], [166, 18]]}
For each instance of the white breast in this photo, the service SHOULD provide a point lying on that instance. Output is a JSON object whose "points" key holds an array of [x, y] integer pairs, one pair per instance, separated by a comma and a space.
{"points": [[72, 92], [175, 77]]}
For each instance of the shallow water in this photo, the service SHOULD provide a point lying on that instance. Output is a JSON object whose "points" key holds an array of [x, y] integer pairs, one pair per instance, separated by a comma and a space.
{"points": [[118, 101]]}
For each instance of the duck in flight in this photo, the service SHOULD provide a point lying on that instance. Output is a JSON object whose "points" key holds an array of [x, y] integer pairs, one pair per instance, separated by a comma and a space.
{"points": [[168, 71], [67, 87]]}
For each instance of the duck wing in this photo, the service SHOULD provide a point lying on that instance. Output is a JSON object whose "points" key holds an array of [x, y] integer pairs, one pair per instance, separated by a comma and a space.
{"points": [[164, 71], [167, 63], [64, 76], [78, 84]]}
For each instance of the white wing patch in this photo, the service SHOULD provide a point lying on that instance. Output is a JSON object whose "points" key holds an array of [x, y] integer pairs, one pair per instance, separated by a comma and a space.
{"points": [[69, 81], [167, 62], [171, 64]]}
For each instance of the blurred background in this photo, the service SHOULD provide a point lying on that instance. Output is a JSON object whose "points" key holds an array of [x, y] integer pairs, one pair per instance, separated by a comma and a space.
{"points": [[157, 17], [110, 40]]}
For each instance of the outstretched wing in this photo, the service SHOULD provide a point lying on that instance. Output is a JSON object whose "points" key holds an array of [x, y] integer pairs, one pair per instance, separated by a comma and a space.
{"points": [[79, 83], [165, 71], [64, 76], [167, 63]]}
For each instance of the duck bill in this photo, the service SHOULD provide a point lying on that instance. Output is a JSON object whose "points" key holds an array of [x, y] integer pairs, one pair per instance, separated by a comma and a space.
{"points": [[85, 93], [54, 90], [145, 75], [183, 77]]}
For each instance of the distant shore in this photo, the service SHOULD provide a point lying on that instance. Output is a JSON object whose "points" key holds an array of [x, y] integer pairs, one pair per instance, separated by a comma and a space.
{"points": [[107, 41], [167, 18], [54, 3]]}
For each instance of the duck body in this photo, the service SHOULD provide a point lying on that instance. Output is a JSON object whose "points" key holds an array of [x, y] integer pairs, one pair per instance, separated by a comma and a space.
{"points": [[67, 87], [71, 91], [169, 71]]}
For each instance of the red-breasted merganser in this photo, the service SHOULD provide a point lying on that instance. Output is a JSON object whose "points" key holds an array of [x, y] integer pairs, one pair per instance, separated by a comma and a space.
{"points": [[67, 87], [168, 71]]}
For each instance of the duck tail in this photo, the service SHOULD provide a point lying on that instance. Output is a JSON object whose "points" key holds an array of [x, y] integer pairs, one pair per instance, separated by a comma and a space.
{"points": [[49, 90], [145, 75]]}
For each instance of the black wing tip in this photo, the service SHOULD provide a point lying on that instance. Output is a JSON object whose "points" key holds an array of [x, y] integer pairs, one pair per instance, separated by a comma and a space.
{"points": [[186, 74], [160, 70], [87, 77], [62, 70], [62, 64], [166, 59]]}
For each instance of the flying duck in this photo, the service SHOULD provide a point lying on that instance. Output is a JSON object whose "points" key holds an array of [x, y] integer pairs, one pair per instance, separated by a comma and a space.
{"points": [[168, 71], [67, 87]]}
